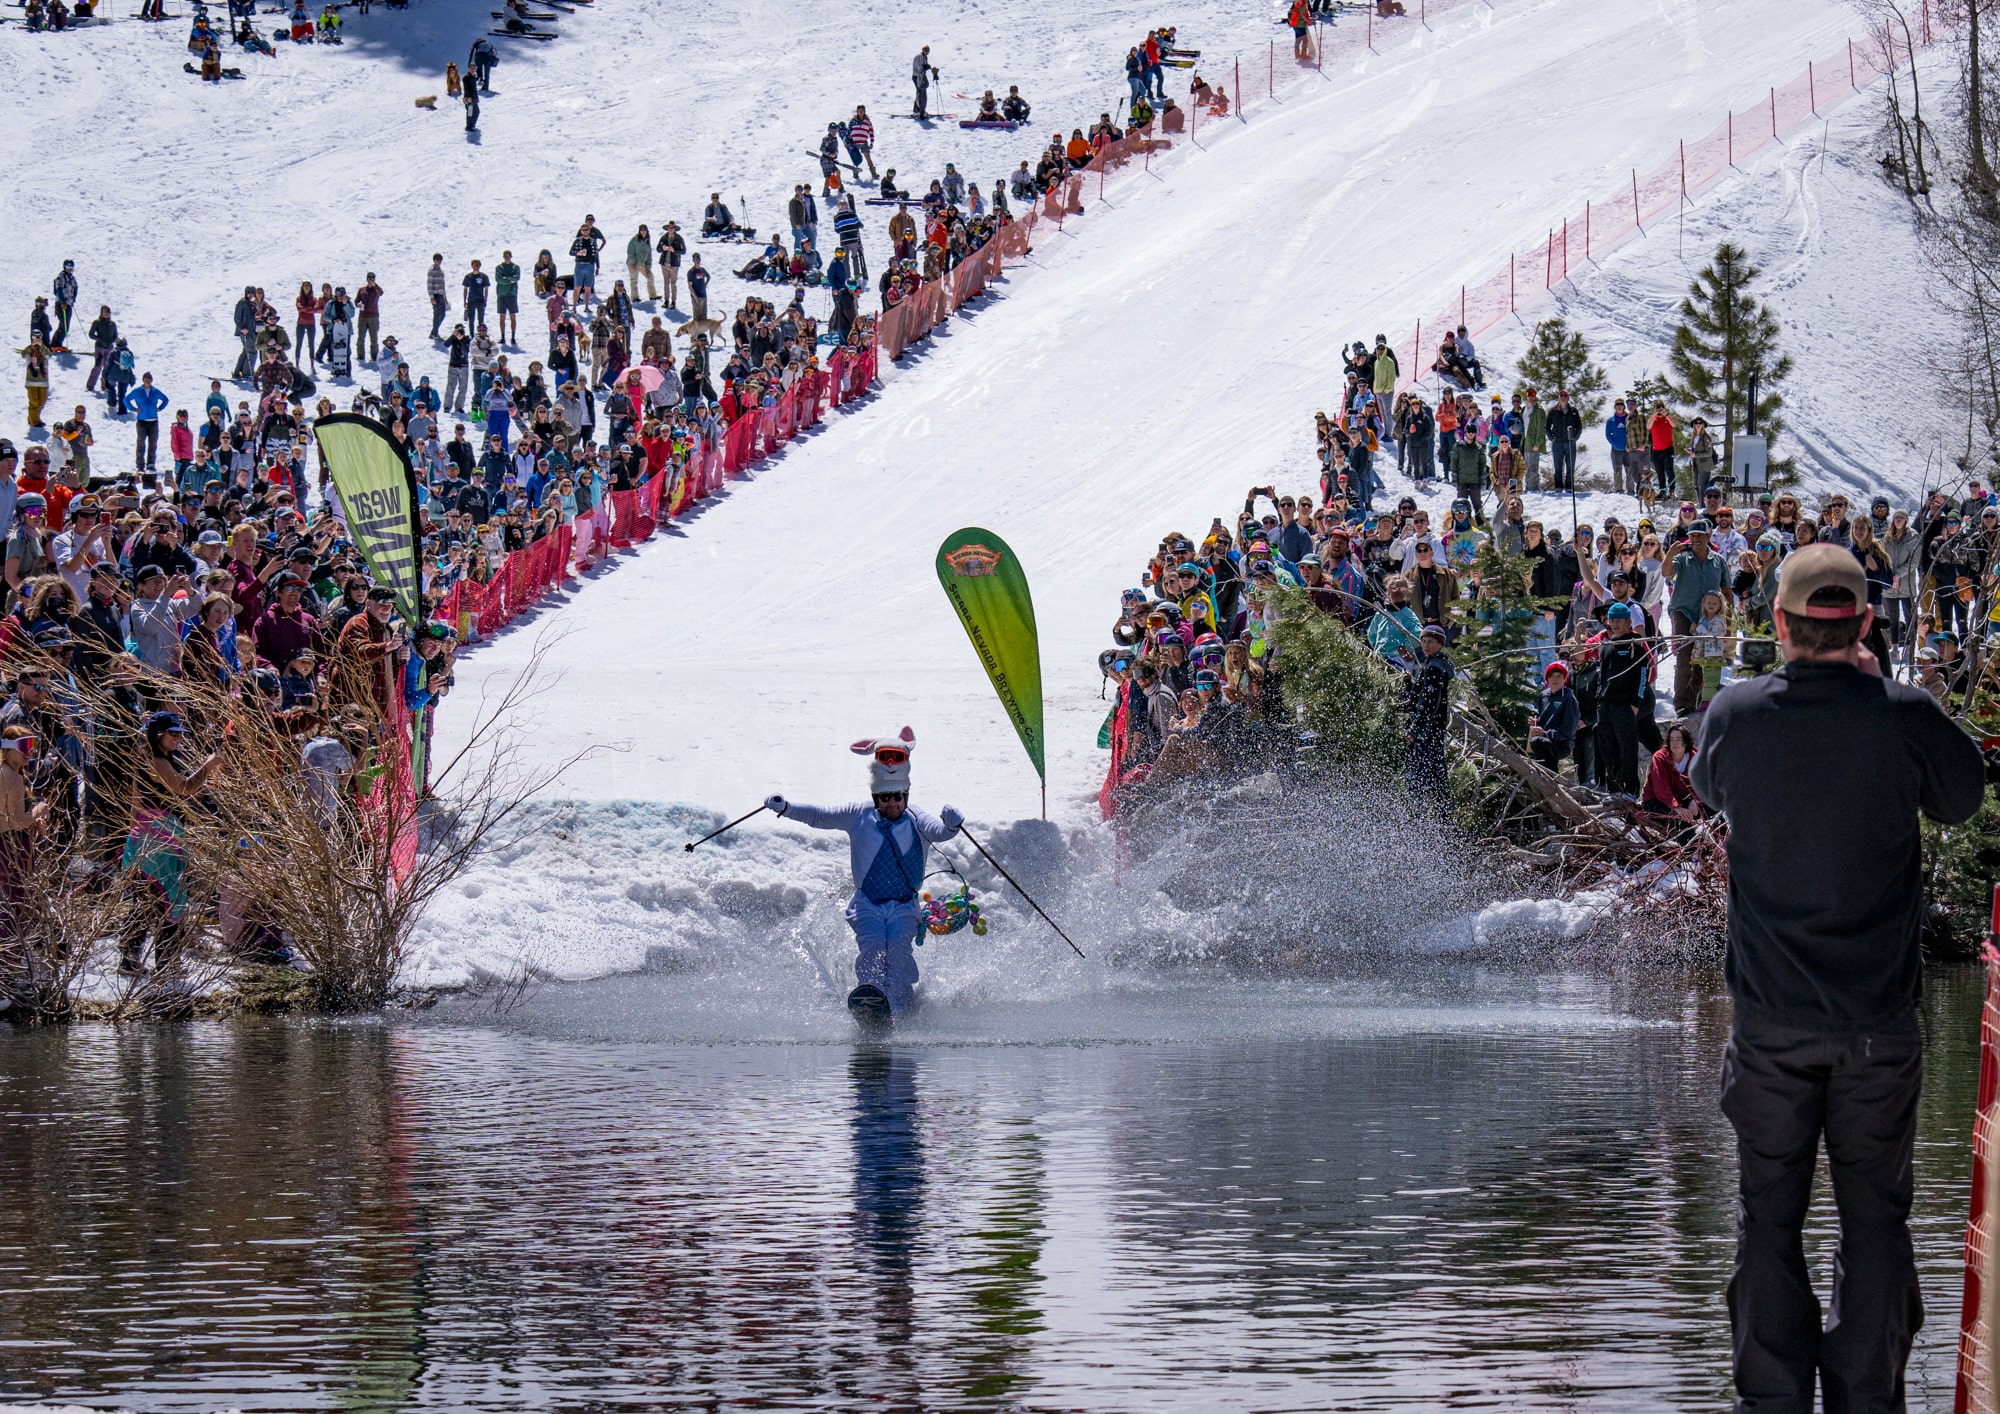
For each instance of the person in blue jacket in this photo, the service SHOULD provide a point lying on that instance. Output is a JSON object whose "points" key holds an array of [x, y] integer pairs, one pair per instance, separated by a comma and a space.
{"points": [[1615, 432], [427, 672], [886, 850], [146, 403]]}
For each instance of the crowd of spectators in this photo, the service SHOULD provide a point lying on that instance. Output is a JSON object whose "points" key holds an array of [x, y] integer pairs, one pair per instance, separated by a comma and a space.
{"points": [[1617, 634]]}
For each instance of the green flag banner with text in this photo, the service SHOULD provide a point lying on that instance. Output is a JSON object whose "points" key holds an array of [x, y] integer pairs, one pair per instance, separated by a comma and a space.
{"points": [[987, 586], [378, 492]]}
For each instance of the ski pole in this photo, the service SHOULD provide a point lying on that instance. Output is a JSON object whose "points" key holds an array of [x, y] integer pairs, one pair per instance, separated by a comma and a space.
{"points": [[1017, 888], [726, 829]]}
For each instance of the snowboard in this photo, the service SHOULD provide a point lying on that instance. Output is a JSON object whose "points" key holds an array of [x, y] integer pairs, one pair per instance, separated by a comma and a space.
{"points": [[1001, 124], [519, 34], [869, 1007], [531, 15], [927, 118]]}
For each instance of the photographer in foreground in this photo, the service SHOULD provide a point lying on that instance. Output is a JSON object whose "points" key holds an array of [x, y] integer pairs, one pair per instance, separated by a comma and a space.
{"points": [[1823, 769]]}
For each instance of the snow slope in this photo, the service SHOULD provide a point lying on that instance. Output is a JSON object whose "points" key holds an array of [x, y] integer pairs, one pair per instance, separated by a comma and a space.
{"points": [[1841, 269], [171, 195], [1167, 357], [1143, 369]]}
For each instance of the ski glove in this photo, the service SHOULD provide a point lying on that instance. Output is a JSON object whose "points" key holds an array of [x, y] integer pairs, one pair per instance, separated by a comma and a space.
{"points": [[776, 804], [950, 819]]}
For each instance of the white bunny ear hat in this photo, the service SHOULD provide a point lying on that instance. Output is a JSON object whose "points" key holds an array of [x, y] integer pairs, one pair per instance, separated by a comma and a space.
{"points": [[887, 777]]}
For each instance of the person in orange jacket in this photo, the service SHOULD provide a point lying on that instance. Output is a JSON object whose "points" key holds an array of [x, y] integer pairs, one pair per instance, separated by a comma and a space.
{"points": [[1300, 19]]}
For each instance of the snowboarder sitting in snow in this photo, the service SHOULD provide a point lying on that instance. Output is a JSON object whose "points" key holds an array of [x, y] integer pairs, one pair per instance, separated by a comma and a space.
{"points": [[329, 25], [302, 26], [247, 36], [889, 189], [989, 108], [1014, 107], [887, 854]]}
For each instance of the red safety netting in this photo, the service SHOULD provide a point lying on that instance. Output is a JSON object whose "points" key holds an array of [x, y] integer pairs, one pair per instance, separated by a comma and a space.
{"points": [[1979, 1318]]}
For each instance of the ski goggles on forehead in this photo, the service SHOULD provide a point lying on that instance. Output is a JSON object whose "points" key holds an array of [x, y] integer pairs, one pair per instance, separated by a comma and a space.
{"points": [[892, 755]]}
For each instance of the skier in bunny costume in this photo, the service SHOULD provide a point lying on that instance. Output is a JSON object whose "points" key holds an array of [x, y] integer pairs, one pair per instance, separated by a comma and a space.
{"points": [[887, 839]]}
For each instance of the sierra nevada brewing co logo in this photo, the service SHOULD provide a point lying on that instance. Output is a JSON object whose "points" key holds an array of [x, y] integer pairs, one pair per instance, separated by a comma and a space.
{"points": [[973, 561]]}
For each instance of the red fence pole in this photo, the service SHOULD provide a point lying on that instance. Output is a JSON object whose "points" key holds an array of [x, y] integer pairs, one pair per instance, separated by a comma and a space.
{"points": [[1732, 138], [1586, 248], [1850, 65], [1371, 49], [1319, 48], [1812, 97], [1637, 224], [1549, 275], [1774, 127], [1565, 250], [1271, 70], [1684, 169], [1461, 305], [1417, 354], [1239, 84], [1510, 296]]}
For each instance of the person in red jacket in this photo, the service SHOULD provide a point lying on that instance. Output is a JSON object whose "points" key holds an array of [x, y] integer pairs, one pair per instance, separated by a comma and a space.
{"points": [[1299, 18], [180, 445], [1661, 431], [1667, 789]]}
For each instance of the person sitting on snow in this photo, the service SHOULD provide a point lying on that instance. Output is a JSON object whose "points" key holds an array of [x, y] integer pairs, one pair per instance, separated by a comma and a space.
{"points": [[989, 107], [1014, 107], [887, 841], [716, 219]]}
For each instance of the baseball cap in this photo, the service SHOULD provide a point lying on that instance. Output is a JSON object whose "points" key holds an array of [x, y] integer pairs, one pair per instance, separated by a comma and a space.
{"points": [[1822, 566], [1432, 631], [1556, 667], [209, 537]]}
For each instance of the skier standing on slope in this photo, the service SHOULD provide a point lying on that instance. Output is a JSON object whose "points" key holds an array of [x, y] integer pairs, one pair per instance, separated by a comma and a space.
{"points": [[65, 293], [921, 74], [887, 853]]}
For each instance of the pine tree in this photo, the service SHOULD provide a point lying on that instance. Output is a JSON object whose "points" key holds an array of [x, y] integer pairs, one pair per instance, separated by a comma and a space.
{"points": [[1558, 358], [1498, 624], [1724, 337]]}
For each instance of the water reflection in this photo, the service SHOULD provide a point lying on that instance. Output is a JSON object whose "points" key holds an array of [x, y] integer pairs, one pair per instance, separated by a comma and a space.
{"points": [[1376, 1216]]}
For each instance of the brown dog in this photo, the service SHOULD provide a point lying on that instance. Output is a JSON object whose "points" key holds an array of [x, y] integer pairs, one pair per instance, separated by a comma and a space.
{"points": [[429, 101]]}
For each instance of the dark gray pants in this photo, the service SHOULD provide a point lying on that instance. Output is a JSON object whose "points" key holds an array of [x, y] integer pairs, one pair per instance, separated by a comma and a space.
{"points": [[1782, 1088]]}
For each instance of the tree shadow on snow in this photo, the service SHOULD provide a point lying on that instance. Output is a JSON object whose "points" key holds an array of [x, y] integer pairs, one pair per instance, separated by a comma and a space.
{"points": [[423, 38]]}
